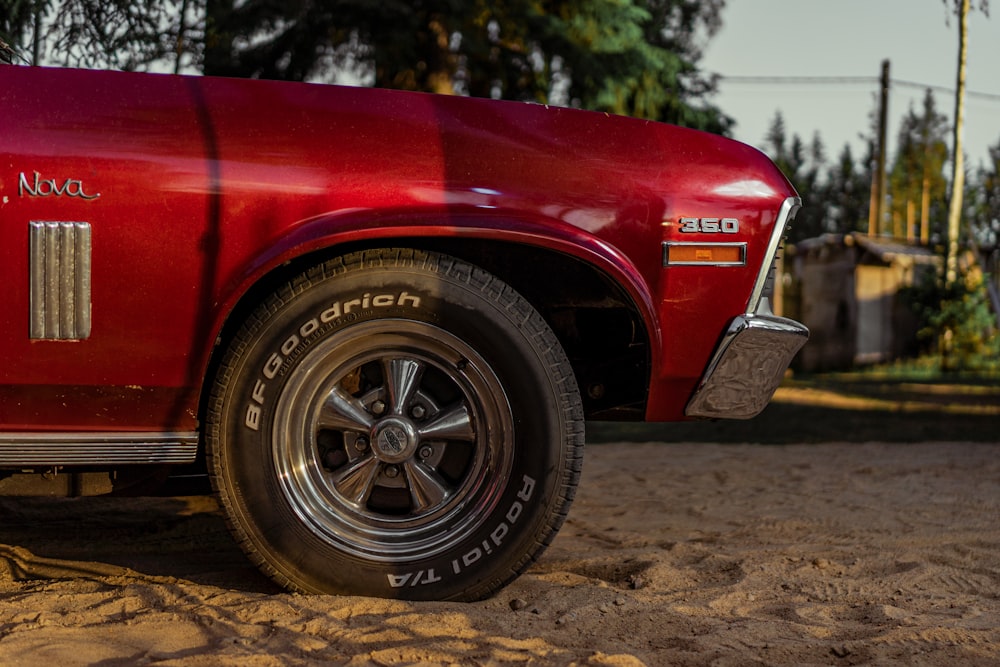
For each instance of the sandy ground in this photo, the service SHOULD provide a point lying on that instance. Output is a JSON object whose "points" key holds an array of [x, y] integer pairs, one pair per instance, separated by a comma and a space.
{"points": [[674, 554]]}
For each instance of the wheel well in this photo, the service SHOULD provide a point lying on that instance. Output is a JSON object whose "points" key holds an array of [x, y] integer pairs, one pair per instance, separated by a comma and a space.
{"points": [[597, 323]]}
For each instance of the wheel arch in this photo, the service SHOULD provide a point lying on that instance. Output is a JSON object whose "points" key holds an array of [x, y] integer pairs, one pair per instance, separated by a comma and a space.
{"points": [[600, 309]]}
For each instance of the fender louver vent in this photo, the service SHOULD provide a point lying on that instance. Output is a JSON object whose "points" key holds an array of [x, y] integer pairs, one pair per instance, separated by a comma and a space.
{"points": [[60, 280]]}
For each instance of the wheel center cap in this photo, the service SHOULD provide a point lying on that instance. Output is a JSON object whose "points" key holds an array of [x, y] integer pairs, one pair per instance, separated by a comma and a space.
{"points": [[392, 440], [395, 440]]}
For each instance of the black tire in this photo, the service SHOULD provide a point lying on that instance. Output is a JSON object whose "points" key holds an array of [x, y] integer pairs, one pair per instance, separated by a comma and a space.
{"points": [[395, 423]]}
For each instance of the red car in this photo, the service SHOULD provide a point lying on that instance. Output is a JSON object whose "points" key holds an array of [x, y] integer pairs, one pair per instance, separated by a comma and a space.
{"points": [[380, 319]]}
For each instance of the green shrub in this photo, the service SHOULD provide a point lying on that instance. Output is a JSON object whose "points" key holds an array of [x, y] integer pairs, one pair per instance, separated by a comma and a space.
{"points": [[958, 329]]}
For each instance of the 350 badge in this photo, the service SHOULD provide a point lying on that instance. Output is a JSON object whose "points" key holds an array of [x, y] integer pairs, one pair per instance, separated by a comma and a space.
{"points": [[710, 225]]}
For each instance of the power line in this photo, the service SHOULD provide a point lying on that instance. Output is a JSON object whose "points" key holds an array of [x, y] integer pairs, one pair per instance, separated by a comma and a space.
{"points": [[800, 79], [851, 80], [942, 89]]}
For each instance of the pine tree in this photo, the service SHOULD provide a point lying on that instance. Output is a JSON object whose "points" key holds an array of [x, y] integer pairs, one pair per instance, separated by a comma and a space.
{"points": [[116, 34], [983, 203], [803, 166], [18, 22], [636, 57], [917, 186], [847, 194]]}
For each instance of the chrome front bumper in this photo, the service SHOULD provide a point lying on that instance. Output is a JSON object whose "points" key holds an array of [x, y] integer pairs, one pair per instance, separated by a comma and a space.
{"points": [[756, 350], [747, 367]]}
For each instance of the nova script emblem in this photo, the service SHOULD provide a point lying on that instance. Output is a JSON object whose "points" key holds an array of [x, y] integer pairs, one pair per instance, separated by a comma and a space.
{"points": [[51, 187]]}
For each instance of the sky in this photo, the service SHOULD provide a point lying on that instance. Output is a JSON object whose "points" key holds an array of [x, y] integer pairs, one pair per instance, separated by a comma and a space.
{"points": [[851, 38]]}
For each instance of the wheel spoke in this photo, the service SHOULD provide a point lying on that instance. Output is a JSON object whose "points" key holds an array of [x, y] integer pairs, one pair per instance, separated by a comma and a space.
{"points": [[427, 489], [402, 378], [453, 424], [357, 481], [343, 412]]}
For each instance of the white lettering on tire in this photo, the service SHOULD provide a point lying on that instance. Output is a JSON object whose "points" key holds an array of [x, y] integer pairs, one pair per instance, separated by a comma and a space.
{"points": [[476, 553], [338, 311]]}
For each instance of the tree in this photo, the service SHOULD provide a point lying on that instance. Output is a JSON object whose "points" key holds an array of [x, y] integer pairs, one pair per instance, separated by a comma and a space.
{"points": [[636, 57], [674, 30], [983, 211], [117, 34], [17, 22], [802, 165], [847, 193], [836, 197], [917, 186], [983, 214], [957, 167], [7, 54], [962, 9]]}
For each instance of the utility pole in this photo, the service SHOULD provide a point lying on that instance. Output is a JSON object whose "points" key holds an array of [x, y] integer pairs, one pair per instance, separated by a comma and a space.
{"points": [[876, 211]]}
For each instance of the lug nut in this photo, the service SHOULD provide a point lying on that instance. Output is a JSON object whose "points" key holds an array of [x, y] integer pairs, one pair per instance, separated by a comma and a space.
{"points": [[418, 412], [392, 472], [361, 444], [426, 452], [378, 407]]}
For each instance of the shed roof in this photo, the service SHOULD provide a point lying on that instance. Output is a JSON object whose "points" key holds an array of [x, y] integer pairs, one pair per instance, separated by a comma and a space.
{"points": [[891, 250]]}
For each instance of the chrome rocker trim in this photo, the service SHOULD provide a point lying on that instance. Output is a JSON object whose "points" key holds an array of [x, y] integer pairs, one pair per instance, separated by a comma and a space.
{"points": [[755, 351], [96, 449]]}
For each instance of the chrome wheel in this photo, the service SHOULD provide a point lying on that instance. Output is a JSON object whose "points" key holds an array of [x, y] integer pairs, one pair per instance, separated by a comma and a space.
{"points": [[394, 423], [392, 440]]}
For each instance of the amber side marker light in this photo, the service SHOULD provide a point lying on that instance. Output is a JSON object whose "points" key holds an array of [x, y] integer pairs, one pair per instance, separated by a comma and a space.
{"points": [[684, 253]]}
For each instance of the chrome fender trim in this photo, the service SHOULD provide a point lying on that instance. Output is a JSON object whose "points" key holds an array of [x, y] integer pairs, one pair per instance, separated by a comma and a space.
{"points": [[786, 214], [60, 267]]}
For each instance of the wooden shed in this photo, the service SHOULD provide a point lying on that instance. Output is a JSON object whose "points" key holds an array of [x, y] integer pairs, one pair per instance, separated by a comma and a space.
{"points": [[845, 288]]}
